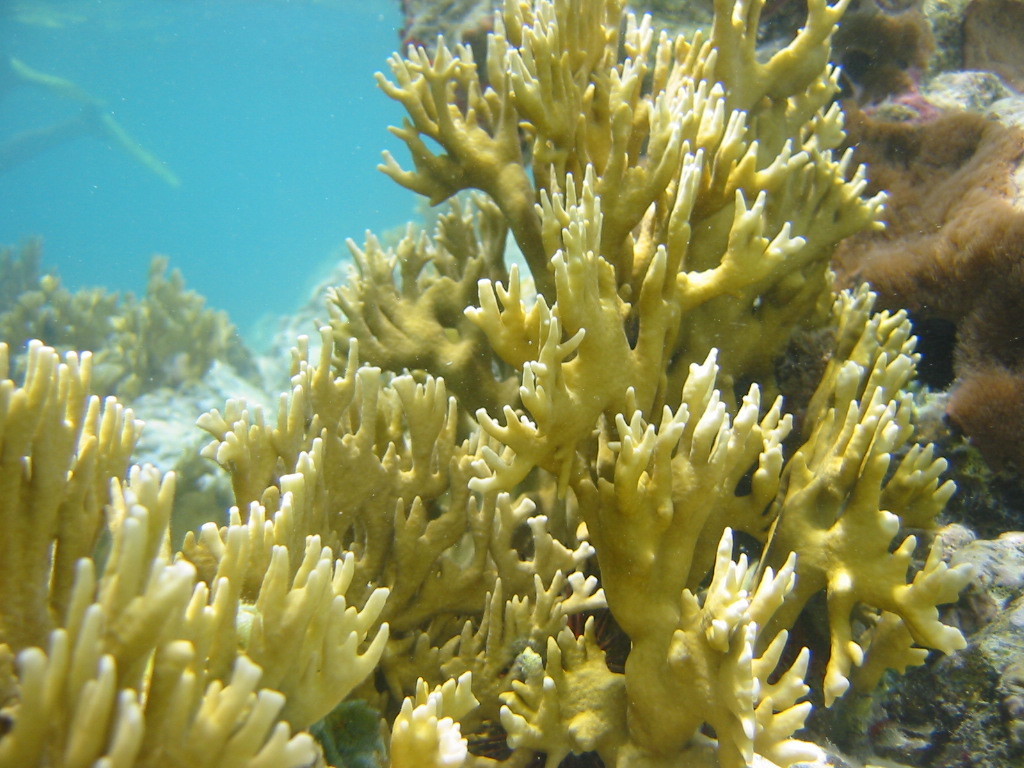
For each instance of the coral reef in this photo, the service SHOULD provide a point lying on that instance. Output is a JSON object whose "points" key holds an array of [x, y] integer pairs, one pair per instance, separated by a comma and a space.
{"points": [[948, 148], [166, 353], [489, 451]]}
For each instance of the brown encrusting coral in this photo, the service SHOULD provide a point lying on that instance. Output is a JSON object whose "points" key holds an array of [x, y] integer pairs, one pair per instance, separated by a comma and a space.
{"points": [[988, 405], [987, 400], [952, 227]]}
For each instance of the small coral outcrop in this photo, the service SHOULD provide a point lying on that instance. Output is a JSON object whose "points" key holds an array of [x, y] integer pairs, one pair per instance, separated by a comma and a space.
{"points": [[166, 338]]}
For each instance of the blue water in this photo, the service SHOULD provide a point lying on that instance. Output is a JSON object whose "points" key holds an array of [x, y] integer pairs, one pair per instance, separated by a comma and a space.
{"points": [[268, 112]]}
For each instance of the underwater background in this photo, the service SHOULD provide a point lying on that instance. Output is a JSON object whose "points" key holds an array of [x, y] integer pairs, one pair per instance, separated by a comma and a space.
{"points": [[237, 141], [267, 112]]}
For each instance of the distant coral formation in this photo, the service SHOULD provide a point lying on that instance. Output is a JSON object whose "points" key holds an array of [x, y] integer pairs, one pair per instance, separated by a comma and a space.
{"points": [[165, 338]]}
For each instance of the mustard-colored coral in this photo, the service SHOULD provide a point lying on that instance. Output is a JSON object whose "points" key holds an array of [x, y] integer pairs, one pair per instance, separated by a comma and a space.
{"points": [[482, 455]]}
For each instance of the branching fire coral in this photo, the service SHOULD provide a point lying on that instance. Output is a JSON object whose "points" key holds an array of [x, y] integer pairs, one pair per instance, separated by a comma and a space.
{"points": [[484, 454]]}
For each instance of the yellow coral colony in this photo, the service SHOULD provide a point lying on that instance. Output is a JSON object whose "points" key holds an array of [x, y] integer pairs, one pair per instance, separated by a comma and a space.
{"points": [[432, 512]]}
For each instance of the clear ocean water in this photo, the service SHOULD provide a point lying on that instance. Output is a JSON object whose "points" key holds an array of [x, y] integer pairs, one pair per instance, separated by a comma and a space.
{"points": [[266, 110]]}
